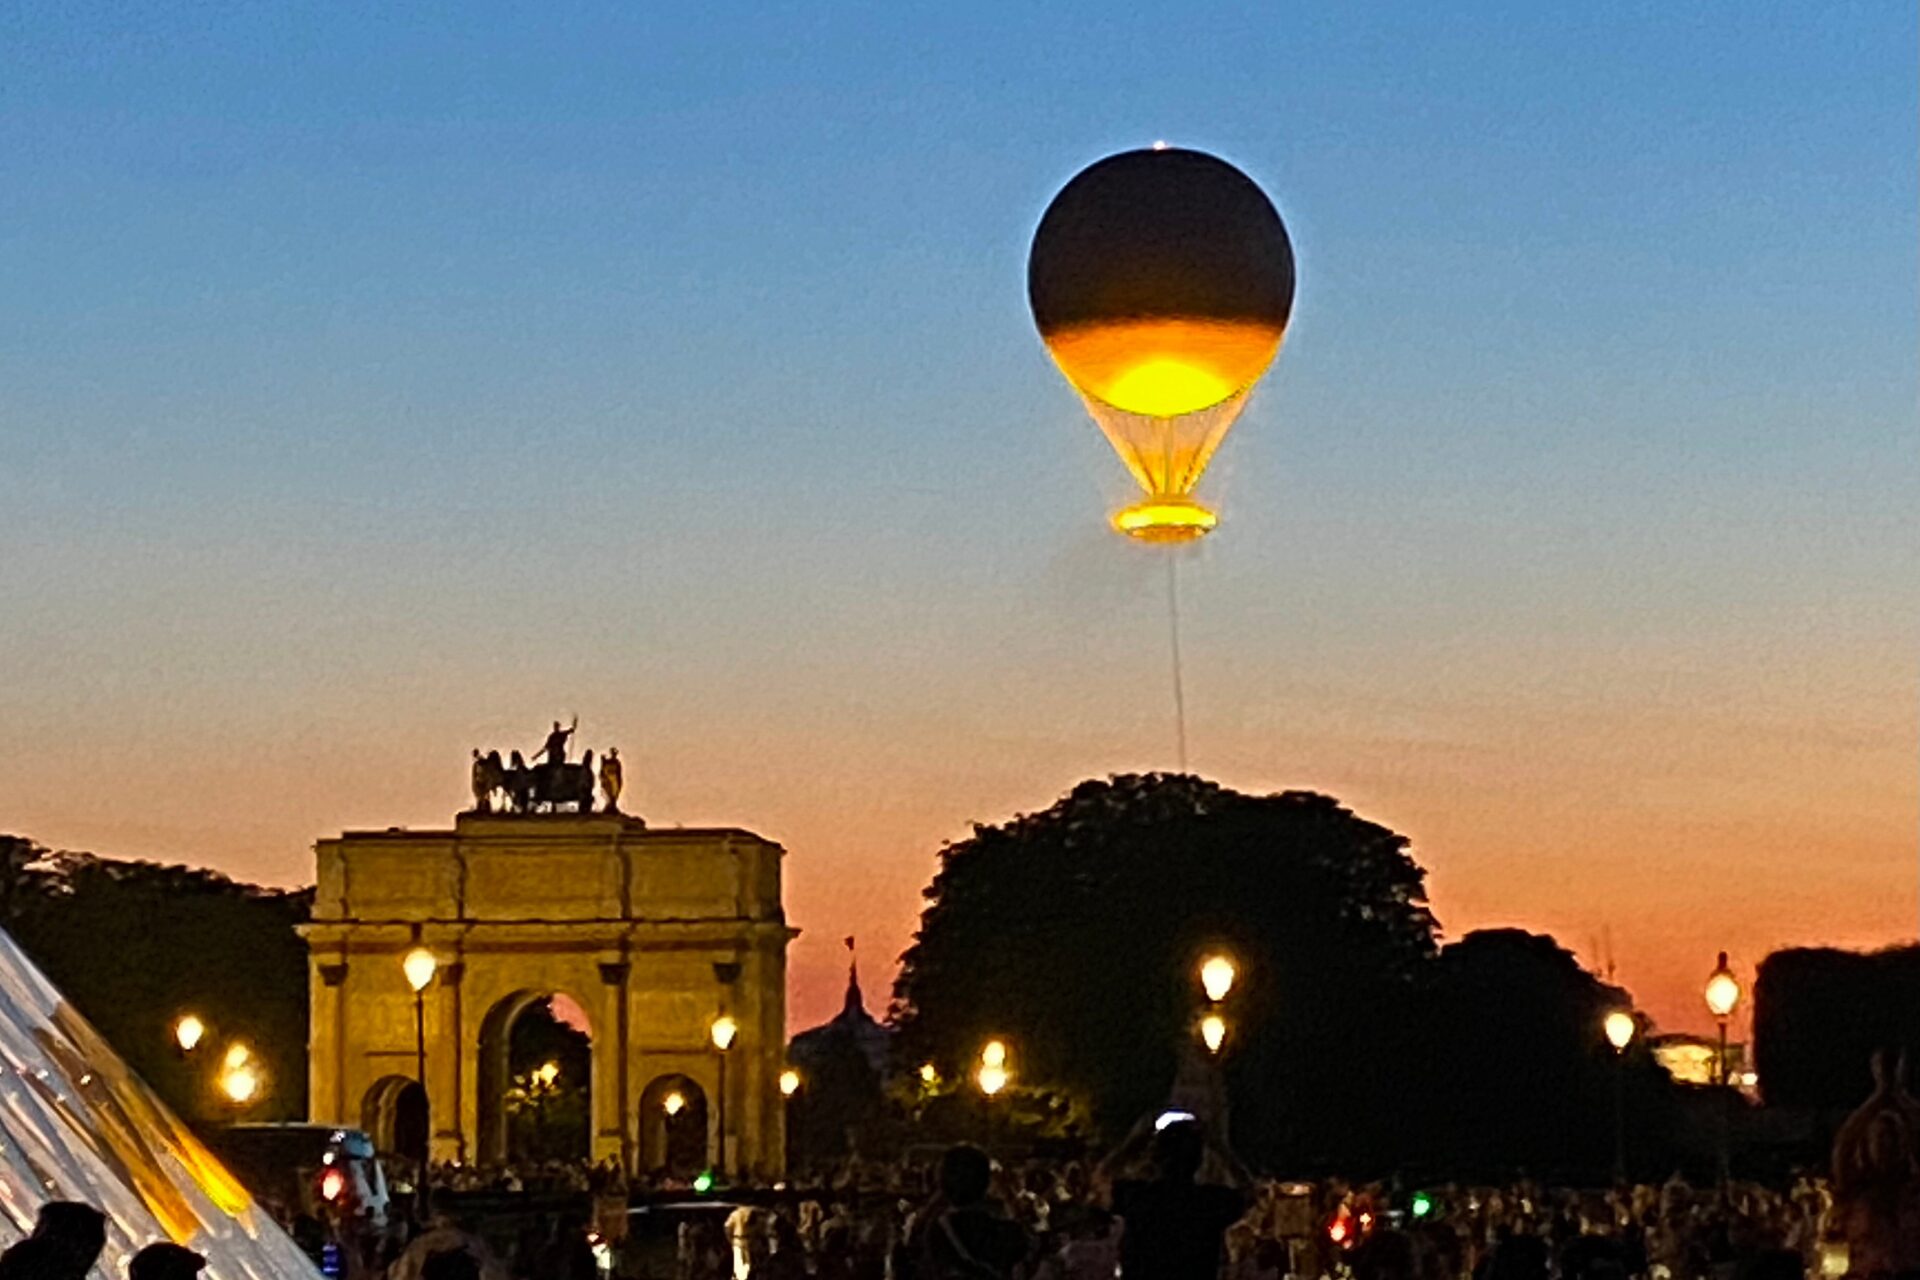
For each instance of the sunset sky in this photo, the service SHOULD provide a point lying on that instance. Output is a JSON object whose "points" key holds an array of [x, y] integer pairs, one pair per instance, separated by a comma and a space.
{"points": [[378, 382]]}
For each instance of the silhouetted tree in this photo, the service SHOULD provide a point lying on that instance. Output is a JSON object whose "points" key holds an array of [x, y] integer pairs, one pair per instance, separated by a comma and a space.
{"points": [[1819, 1014], [1515, 1071], [1075, 933], [841, 1097], [135, 944]]}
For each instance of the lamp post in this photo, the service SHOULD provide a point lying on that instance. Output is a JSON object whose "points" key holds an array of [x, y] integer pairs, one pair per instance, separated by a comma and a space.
{"points": [[1216, 977], [188, 1031], [1723, 994], [1213, 1033], [993, 1075], [1620, 1028], [419, 965], [722, 1032], [240, 1076]]}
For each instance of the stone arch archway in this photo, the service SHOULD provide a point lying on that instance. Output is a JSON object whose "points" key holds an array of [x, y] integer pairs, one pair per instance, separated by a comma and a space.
{"points": [[675, 1127], [654, 933], [395, 1114], [519, 1092]]}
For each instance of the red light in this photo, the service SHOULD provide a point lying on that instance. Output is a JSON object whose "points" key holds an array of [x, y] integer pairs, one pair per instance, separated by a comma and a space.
{"points": [[333, 1184], [1337, 1232]]}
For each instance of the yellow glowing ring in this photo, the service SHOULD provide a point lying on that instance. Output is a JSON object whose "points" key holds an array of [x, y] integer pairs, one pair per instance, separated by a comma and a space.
{"points": [[1165, 520]]}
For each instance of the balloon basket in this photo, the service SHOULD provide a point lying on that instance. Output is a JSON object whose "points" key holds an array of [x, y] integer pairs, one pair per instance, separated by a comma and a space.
{"points": [[1165, 520]]}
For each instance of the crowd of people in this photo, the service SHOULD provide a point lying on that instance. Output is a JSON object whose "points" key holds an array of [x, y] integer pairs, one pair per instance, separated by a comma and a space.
{"points": [[1170, 1204], [68, 1238]]}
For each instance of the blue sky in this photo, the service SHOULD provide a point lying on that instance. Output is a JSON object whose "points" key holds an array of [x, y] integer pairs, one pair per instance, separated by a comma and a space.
{"points": [[373, 379]]}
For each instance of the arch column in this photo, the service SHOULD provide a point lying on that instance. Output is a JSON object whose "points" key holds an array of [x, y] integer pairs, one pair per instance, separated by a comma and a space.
{"points": [[613, 1101]]}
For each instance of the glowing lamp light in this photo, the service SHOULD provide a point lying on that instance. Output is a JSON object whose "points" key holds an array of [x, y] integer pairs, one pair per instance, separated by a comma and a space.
{"points": [[188, 1031], [991, 1079], [238, 1055], [704, 1182], [994, 1054], [333, 1184], [929, 1074], [1165, 520], [419, 965], [1213, 1032], [548, 1073], [1422, 1204], [1620, 1028], [723, 1031], [1723, 990], [789, 1083], [241, 1084], [1216, 977], [674, 1103]]}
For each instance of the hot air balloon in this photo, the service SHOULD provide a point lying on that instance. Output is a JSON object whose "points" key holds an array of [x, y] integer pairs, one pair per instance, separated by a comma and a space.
{"points": [[1161, 281]]}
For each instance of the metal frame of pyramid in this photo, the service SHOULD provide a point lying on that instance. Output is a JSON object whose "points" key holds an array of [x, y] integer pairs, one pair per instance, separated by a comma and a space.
{"points": [[76, 1124]]}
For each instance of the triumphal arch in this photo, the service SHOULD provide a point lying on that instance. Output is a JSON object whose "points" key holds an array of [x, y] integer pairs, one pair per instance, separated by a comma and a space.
{"points": [[655, 935]]}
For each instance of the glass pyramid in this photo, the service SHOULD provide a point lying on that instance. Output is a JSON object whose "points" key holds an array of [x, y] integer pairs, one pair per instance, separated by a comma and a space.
{"points": [[75, 1124]]}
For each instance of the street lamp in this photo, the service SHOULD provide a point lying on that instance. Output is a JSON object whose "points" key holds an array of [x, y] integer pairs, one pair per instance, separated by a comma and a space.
{"points": [[722, 1032], [188, 1031], [674, 1103], [1216, 977], [1723, 994], [992, 1076], [1620, 1028], [241, 1084], [789, 1082], [1213, 1032], [419, 965]]}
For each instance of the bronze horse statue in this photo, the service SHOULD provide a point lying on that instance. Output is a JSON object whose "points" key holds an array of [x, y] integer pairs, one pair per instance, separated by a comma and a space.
{"points": [[528, 788]]}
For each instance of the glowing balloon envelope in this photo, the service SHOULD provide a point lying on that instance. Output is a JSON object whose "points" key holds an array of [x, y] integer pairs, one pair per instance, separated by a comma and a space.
{"points": [[1162, 281]]}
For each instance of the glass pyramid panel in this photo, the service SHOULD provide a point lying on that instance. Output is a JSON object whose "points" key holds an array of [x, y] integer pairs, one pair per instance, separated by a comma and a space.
{"points": [[75, 1124]]}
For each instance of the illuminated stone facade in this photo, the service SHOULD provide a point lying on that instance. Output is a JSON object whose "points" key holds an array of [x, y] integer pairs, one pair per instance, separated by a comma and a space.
{"points": [[654, 933]]}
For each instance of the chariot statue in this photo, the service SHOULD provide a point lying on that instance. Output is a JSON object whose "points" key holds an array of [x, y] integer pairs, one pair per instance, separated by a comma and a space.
{"points": [[551, 784]]}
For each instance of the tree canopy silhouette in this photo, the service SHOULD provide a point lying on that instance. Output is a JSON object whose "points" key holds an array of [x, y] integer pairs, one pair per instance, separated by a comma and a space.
{"points": [[1076, 933], [1819, 1014], [135, 944]]}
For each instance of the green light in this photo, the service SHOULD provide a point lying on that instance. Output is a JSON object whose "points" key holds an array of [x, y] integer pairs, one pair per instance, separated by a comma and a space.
{"points": [[704, 1182], [1422, 1205]]}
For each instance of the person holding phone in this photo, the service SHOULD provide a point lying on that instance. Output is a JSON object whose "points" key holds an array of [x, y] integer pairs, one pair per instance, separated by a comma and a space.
{"points": [[1174, 1224]]}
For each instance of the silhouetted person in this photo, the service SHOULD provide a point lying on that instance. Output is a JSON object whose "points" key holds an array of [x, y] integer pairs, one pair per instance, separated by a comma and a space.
{"points": [[444, 1234], [1386, 1255], [67, 1238], [1516, 1257], [450, 1264], [960, 1234], [165, 1262], [566, 1255], [1175, 1226]]}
